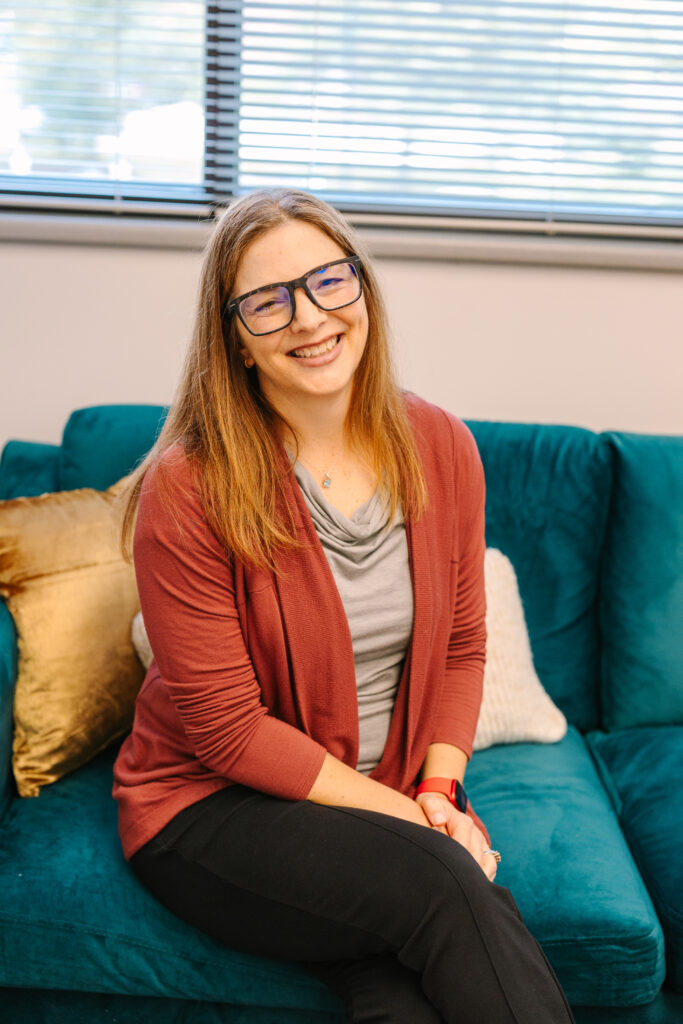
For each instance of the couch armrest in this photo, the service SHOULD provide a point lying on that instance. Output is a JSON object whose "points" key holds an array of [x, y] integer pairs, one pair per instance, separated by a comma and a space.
{"points": [[28, 468], [8, 676]]}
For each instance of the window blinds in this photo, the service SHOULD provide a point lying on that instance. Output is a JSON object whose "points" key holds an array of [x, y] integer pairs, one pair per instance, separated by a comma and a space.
{"points": [[542, 109], [521, 107]]}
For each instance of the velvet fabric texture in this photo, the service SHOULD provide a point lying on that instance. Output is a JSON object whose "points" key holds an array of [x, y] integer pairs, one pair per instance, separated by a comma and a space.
{"points": [[103, 443], [547, 498], [72, 597], [641, 610], [565, 860], [59, 850], [643, 772], [549, 815], [28, 468]]}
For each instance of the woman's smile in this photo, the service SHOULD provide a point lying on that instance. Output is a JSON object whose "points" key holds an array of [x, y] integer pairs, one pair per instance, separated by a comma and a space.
{"points": [[319, 354]]}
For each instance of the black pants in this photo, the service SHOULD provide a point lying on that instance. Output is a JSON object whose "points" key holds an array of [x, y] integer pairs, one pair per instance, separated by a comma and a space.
{"points": [[396, 918]]}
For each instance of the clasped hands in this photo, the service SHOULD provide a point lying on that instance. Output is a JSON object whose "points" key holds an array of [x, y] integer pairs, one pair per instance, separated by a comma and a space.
{"points": [[442, 816]]}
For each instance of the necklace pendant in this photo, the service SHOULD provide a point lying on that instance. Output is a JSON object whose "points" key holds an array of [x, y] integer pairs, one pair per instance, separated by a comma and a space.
{"points": [[327, 482]]}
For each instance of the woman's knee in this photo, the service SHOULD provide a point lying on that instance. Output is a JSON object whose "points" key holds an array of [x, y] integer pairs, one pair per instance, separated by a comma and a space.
{"points": [[429, 885], [449, 866], [410, 858]]}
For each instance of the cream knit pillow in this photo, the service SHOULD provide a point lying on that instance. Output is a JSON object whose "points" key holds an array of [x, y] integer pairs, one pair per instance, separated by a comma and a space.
{"points": [[141, 641], [515, 708]]}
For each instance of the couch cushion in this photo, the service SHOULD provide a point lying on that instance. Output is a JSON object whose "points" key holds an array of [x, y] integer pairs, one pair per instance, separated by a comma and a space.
{"points": [[643, 769], [73, 915], [28, 468], [566, 862], [641, 609], [103, 443], [547, 497]]}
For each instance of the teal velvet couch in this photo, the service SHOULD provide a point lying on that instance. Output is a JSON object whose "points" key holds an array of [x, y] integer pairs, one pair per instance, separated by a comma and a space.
{"points": [[590, 828]]}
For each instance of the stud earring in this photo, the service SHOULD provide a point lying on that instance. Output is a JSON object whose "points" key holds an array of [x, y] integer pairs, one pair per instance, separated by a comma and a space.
{"points": [[249, 363]]}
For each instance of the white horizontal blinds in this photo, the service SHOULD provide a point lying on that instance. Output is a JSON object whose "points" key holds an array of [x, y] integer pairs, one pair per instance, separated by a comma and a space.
{"points": [[543, 107], [102, 97]]}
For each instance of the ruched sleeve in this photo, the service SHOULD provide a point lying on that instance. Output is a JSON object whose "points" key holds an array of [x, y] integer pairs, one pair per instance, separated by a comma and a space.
{"points": [[186, 584]]}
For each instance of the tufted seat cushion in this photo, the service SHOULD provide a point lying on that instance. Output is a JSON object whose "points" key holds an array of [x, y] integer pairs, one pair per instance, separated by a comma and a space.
{"points": [[569, 868], [80, 920], [73, 915]]}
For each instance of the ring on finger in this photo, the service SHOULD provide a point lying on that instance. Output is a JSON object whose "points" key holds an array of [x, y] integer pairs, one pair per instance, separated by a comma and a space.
{"points": [[494, 853]]}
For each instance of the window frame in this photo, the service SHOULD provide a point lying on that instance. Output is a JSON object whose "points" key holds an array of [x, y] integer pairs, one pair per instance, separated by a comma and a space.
{"points": [[390, 232]]}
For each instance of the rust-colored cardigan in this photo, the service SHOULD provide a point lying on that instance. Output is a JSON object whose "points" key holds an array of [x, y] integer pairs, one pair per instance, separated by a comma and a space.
{"points": [[253, 677]]}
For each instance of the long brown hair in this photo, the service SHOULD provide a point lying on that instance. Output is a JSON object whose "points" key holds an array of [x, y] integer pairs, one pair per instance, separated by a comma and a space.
{"points": [[227, 427]]}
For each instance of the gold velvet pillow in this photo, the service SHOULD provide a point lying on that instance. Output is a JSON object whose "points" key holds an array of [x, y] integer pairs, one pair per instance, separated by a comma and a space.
{"points": [[72, 597]]}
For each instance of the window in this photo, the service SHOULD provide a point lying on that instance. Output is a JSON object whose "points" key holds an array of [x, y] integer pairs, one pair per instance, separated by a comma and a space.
{"points": [[535, 109], [102, 99]]}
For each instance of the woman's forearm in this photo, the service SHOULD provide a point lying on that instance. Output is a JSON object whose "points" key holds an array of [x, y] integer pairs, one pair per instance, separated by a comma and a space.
{"points": [[443, 760], [341, 786]]}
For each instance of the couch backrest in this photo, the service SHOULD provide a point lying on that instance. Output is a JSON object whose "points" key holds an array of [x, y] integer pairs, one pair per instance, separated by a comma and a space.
{"points": [[548, 490], [547, 500], [105, 442], [641, 604]]}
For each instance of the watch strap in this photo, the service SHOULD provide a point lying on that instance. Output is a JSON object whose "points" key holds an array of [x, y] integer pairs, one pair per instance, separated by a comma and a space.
{"points": [[452, 788]]}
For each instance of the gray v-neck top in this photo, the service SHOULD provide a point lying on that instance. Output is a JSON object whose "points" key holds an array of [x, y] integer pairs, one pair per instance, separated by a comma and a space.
{"points": [[372, 572]]}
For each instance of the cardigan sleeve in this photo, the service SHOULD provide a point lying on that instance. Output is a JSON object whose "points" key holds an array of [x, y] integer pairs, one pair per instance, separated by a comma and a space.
{"points": [[461, 693], [185, 581]]}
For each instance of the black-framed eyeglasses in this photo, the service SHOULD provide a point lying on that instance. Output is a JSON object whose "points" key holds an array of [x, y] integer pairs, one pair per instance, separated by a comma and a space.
{"points": [[271, 308]]}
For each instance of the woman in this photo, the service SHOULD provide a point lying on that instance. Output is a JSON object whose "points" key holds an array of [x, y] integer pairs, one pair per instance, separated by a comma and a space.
{"points": [[309, 554]]}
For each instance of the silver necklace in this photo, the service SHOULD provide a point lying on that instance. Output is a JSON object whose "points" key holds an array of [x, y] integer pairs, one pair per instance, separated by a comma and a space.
{"points": [[327, 477]]}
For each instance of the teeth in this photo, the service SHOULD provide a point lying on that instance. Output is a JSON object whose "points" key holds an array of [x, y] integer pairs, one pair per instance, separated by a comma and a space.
{"points": [[316, 350]]}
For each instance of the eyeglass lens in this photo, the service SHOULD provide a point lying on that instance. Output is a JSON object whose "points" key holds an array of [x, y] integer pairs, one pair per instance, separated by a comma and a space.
{"points": [[269, 309]]}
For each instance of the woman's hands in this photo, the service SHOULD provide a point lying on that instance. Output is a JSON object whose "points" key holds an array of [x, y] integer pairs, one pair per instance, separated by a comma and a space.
{"points": [[338, 784], [445, 818]]}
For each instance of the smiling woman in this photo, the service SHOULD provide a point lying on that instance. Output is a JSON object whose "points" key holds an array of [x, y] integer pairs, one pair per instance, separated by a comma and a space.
{"points": [[309, 553], [325, 322]]}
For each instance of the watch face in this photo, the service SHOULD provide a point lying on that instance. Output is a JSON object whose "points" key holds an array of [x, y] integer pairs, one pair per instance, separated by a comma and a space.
{"points": [[460, 797]]}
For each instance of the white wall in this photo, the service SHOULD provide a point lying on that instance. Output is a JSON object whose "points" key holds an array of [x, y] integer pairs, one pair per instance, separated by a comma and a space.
{"points": [[84, 325], [596, 348]]}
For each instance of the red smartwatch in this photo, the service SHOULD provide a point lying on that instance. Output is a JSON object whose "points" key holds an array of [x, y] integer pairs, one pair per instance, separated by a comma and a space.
{"points": [[452, 788]]}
